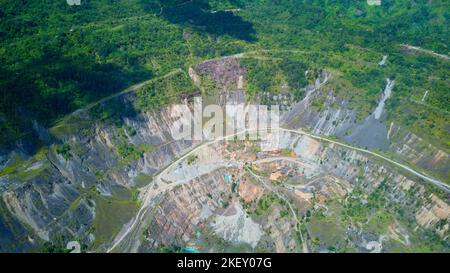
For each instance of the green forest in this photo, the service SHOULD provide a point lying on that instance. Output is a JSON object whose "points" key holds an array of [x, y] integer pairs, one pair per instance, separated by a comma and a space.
{"points": [[56, 58]]}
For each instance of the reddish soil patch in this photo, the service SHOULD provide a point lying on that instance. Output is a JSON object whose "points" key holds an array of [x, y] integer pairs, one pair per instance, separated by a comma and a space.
{"points": [[249, 191]]}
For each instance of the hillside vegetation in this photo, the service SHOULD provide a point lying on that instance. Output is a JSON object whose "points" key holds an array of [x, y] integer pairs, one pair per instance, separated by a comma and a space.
{"points": [[56, 58]]}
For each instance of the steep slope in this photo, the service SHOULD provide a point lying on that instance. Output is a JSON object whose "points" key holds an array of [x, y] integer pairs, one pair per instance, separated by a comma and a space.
{"points": [[109, 177]]}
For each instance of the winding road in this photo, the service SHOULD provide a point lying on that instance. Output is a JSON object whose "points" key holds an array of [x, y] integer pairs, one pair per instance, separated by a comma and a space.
{"points": [[150, 192]]}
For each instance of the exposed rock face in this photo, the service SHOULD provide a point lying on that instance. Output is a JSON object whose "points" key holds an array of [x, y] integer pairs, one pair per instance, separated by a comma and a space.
{"points": [[312, 179], [336, 119], [59, 196], [52, 199], [248, 191], [184, 210], [234, 225], [418, 151], [433, 213], [225, 72]]}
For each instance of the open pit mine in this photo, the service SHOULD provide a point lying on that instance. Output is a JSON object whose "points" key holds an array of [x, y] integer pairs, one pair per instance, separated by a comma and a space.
{"points": [[324, 181]]}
